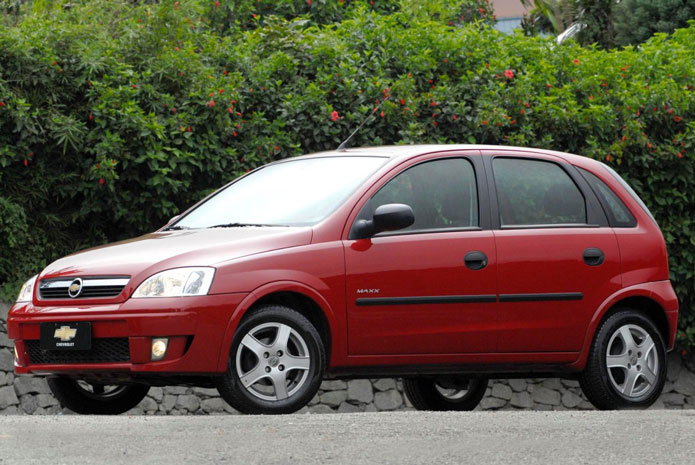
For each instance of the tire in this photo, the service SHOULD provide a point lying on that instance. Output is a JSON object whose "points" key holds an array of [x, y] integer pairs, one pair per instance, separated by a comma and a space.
{"points": [[446, 393], [86, 399], [636, 374], [266, 346]]}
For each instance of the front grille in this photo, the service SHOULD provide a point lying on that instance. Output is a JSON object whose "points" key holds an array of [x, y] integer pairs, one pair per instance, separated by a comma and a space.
{"points": [[104, 350], [90, 288]]}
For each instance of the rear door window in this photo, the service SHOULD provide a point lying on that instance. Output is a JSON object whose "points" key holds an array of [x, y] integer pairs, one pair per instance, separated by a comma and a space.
{"points": [[536, 193]]}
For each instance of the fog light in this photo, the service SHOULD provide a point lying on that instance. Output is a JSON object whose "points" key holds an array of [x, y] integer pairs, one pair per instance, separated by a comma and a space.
{"points": [[159, 348]]}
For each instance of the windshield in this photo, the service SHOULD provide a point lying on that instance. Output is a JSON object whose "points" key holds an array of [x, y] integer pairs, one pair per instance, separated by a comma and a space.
{"points": [[293, 193]]}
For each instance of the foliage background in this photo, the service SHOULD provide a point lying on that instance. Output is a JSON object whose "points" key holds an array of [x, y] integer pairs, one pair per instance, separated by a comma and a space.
{"points": [[116, 115]]}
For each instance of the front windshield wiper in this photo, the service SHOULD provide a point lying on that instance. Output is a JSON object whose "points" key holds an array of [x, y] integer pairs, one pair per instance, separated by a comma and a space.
{"points": [[176, 228], [247, 225]]}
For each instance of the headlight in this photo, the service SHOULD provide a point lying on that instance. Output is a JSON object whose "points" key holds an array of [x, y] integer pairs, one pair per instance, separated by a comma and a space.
{"points": [[27, 290], [179, 282]]}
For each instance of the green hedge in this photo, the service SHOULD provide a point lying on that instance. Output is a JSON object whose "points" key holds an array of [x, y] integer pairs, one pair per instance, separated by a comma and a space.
{"points": [[115, 117]]}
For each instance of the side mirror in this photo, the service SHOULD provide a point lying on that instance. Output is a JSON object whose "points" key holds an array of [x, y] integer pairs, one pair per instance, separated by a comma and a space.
{"points": [[389, 217]]}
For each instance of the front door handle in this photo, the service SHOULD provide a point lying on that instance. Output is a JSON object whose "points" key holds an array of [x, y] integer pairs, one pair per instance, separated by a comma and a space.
{"points": [[475, 260], [593, 256]]}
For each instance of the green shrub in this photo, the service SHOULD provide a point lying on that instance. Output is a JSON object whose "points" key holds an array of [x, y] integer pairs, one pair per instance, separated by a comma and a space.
{"points": [[114, 117]]}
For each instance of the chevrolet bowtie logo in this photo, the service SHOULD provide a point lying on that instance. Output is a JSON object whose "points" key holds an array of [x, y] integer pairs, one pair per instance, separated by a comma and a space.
{"points": [[65, 333]]}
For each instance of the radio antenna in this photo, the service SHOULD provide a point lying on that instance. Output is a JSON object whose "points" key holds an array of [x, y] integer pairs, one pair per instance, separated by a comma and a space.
{"points": [[341, 147]]}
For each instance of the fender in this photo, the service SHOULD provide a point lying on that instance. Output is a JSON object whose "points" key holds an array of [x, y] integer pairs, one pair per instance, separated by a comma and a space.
{"points": [[337, 340], [660, 292]]}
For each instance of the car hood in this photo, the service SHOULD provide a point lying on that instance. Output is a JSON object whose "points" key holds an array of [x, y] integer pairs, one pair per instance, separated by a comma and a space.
{"points": [[145, 255]]}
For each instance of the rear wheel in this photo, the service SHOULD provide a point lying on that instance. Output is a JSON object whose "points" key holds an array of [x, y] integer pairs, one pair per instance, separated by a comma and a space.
{"points": [[90, 398], [276, 363], [627, 363], [444, 393]]}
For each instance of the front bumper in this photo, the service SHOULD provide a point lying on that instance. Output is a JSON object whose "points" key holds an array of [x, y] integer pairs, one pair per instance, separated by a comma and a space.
{"points": [[195, 327]]}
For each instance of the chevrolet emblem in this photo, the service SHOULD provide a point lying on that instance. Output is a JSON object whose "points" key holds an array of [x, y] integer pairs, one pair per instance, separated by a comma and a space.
{"points": [[65, 333]]}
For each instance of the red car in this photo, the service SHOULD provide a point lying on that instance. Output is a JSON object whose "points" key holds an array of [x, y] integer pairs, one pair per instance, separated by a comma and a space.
{"points": [[444, 265]]}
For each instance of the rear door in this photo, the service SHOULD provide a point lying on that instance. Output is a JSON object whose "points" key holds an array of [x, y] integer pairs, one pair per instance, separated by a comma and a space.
{"points": [[557, 257], [430, 288]]}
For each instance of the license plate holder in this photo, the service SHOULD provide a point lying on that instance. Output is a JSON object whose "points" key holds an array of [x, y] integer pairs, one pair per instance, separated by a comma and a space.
{"points": [[76, 335]]}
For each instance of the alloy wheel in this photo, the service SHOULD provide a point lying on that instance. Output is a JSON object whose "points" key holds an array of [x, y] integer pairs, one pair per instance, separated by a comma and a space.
{"points": [[632, 362], [273, 361]]}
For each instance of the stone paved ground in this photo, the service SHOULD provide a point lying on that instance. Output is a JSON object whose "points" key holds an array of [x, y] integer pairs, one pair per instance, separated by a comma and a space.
{"points": [[30, 395]]}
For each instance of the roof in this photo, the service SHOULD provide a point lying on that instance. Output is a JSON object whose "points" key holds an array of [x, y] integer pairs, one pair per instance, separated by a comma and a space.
{"points": [[403, 151]]}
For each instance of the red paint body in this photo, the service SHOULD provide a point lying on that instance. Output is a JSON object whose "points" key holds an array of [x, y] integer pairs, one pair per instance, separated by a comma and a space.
{"points": [[323, 266]]}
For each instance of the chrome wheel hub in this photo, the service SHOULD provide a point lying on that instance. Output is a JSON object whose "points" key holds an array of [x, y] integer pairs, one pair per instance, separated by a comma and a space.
{"points": [[272, 361], [632, 362]]}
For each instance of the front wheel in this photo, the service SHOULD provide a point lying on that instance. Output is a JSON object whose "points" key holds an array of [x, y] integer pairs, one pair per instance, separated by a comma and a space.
{"points": [[445, 393], [276, 363], [627, 363], [89, 398]]}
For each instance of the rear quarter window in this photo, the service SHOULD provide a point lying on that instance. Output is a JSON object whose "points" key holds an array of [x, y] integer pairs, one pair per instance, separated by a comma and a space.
{"points": [[618, 214]]}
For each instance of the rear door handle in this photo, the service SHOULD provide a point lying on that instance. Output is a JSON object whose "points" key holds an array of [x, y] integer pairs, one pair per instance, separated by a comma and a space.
{"points": [[593, 256], [475, 260]]}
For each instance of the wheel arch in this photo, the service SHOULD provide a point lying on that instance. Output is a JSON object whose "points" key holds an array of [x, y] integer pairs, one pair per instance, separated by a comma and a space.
{"points": [[300, 297], [638, 298]]}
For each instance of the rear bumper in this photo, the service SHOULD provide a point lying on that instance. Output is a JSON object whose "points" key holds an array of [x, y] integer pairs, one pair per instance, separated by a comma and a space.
{"points": [[195, 327]]}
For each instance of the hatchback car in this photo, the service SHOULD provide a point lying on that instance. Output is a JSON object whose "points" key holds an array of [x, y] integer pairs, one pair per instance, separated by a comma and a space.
{"points": [[443, 265]]}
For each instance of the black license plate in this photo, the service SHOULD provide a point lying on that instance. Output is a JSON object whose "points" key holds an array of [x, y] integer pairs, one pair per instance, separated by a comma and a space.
{"points": [[66, 336]]}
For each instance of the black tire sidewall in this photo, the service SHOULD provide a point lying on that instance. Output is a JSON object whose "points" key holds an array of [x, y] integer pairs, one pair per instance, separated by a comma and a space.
{"points": [[603, 337], [240, 398], [67, 392], [423, 394]]}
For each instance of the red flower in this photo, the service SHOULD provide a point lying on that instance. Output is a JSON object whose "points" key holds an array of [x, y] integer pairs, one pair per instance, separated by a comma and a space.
{"points": [[433, 103], [26, 162], [670, 111], [548, 86], [212, 103], [624, 138], [522, 111], [334, 116], [402, 102], [484, 122], [528, 105], [649, 145], [173, 109], [234, 133], [224, 72], [435, 123], [512, 121], [276, 148], [229, 110], [101, 181], [176, 5], [677, 119], [133, 86], [91, 117], [188, 129], [217, 3], [608, 158], [454, 117], [481, 11], [2, 104], [509, 74], [576, 61], [308, 2], [382, 114], [591, 97], [680, 155]]}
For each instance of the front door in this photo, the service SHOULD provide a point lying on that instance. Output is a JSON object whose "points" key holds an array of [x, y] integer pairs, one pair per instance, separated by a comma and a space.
{"points": [[431, 288], [557, 257]]}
